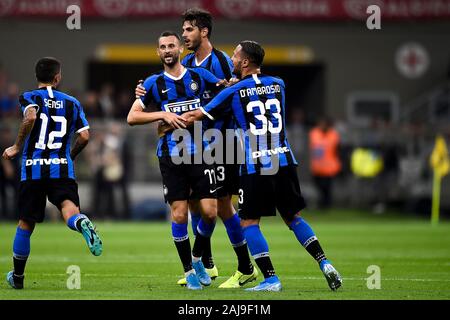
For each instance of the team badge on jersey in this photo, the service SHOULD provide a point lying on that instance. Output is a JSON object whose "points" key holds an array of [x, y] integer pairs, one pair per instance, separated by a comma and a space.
{"points": [[194, 86]]}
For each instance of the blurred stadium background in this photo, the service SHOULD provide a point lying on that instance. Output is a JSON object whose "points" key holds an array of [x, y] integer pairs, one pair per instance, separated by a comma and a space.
{"points": [[387, 90]]}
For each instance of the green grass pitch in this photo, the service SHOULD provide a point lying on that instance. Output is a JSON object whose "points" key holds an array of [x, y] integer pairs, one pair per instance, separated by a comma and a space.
{"points": [[140, 261]]}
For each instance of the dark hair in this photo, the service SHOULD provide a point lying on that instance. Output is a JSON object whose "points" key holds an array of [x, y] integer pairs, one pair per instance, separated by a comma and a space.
{"points": [[46, 69], [169, 33], [202, 18], [253, 50]]}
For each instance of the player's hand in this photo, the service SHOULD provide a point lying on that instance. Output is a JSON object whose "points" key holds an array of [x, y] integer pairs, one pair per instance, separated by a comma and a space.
{"points": [[163, 128], [232, 81], [222, 82], [189, 117], [11, 152], [140, 90], [174, 120]]}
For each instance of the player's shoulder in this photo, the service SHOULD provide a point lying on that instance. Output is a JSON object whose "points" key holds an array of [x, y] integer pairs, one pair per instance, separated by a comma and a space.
{"points": [[200, 71], [220, 54], [28, 94], [274, 79], [60, 95], [185, 61], [153, 77]]}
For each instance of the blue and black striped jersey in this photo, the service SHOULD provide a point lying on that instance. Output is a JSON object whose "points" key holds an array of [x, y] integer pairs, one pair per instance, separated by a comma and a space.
{"points": [[178, 95], [46, 152], [257, 103], [219, 64]]}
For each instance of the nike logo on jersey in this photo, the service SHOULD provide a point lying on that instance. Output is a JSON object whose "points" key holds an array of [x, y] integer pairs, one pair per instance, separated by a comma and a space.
{"points": [[164, 91], [214, 190]]}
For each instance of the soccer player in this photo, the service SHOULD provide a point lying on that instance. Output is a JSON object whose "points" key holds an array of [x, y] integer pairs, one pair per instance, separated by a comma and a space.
{"points": [[50, 119], [268, 179], [197, 27], [174, 91]]}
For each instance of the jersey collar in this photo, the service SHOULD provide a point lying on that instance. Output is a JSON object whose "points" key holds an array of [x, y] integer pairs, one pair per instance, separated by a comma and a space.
{"points": [[174, 78]]}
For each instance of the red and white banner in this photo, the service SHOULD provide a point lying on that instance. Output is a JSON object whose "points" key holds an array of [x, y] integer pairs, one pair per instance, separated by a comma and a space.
{"points": [[233, 9]]}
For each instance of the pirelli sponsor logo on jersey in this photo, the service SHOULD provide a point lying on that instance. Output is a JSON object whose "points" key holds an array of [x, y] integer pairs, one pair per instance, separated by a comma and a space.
{"points": [[183, 106], [263, 153], [41, 162], [262, 90]]}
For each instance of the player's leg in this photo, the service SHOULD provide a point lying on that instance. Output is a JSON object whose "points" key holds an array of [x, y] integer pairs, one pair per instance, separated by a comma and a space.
{"points": [[207, 259], [63, 193], [79, 222], [256, 200], [260, 251], [245, 272], [289, 203], [21, 251], [176, 190], [205, 228], [202, 181], [179, 215], [308, 239], [32, 201]]}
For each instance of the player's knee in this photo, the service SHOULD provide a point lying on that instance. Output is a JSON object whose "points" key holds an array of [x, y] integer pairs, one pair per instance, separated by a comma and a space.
{"points": [[179, 217], [209, 209], [225, 209], [248, 222], [179, 212], [26, 225]]}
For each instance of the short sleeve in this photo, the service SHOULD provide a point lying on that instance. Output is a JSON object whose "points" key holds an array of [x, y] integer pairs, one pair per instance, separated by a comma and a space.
{"points": [[81, 123], [148, 85], [26, 101], [220, 105]]}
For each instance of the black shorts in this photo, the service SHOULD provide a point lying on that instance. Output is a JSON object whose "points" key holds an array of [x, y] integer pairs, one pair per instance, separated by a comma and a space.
{"points": [[33, 196], [261, 195], [227, 179], [187, 181]]}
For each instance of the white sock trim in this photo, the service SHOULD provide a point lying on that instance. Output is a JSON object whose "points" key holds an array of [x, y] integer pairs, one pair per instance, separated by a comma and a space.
{"points": [[260, 255]]}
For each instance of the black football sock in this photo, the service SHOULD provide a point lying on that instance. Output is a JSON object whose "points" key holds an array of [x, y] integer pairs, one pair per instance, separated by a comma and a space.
{"points": [[244, 263], [183, 245], [19, 265], [266, 267], [207, 258], [199, 245]]}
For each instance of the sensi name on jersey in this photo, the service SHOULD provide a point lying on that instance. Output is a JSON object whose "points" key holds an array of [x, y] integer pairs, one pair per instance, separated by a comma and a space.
{"points": [[52, 104], [183, 106]]}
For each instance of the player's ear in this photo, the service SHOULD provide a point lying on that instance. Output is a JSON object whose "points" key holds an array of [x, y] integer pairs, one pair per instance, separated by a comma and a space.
{"points": [[245, 63], [57, 79], [204, 32]]}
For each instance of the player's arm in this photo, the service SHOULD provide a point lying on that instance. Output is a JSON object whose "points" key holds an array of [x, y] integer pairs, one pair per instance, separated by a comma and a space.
{"points": [[211, 81], [24, 130], [81, 142], [137, 116], [192, 116], [140, 91]]}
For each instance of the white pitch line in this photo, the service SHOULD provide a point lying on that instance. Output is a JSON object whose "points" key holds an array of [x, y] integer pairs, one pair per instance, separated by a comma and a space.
{"points": [[115, 275]]}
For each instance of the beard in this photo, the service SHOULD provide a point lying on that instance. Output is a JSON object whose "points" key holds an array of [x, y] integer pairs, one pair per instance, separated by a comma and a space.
{"points": [[173, 60], [192, 44], [237, 70]]}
